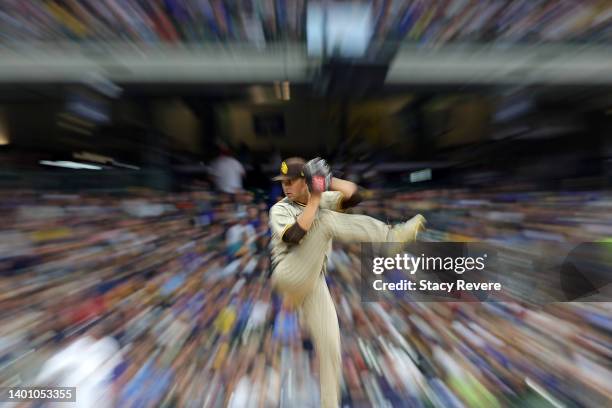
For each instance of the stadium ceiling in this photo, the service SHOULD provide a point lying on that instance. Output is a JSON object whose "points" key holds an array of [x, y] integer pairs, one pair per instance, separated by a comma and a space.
{"points": [[237, 63]]}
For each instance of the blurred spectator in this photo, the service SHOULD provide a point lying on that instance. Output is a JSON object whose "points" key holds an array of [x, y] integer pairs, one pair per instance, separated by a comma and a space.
{"points": [[88, 364], [227, 172], [253, 217], [240, 237]]}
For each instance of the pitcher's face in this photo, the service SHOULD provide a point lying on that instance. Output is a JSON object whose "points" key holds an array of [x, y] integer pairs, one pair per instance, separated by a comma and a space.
{"points": [[295, 188]]}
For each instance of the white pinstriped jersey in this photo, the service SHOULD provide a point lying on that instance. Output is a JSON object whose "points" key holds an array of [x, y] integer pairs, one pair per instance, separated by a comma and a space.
{"points": [[285, 213]]}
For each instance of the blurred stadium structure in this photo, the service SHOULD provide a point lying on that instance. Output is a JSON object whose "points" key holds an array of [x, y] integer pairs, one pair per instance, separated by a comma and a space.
{"points": [[491, 117]]}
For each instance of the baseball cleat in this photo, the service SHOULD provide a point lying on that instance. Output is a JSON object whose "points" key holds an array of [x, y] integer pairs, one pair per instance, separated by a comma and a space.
{"points": [[408, 231]]}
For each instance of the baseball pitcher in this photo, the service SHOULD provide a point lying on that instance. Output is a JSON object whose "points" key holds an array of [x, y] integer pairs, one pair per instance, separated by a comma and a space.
{"points": [[303, 226]]}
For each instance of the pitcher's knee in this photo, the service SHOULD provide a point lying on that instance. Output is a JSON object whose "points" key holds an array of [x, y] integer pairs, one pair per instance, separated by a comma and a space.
{"points": [[282, 283], [287, 285]]}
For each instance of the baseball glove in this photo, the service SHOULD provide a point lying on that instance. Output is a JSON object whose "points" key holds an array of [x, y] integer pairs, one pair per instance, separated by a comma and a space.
{"points": [[318, 175]]}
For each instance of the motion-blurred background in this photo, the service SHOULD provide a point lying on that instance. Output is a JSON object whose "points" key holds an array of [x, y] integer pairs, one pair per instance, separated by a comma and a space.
{"points": [[137, 142]]}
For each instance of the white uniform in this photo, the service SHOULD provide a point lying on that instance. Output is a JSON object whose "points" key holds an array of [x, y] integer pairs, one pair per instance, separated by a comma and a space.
{"points": [[299, 273]]}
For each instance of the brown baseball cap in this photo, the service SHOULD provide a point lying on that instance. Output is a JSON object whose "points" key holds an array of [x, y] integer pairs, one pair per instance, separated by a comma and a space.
{"points": [[291, 168]]}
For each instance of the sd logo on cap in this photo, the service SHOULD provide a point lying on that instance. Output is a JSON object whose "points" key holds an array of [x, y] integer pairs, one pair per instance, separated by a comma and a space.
{"points": [[291, 168]]}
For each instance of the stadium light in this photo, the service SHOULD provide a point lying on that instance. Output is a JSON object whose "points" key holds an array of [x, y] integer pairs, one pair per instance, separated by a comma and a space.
{"points": [[70, 165]]}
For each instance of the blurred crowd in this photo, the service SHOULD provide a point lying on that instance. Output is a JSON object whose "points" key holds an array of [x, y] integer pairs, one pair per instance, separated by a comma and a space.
{"points": [[155, 300], [259, 22]]}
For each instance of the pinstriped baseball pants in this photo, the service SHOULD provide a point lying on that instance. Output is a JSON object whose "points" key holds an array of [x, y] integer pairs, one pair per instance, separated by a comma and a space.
{"points": [[299, 276]]}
